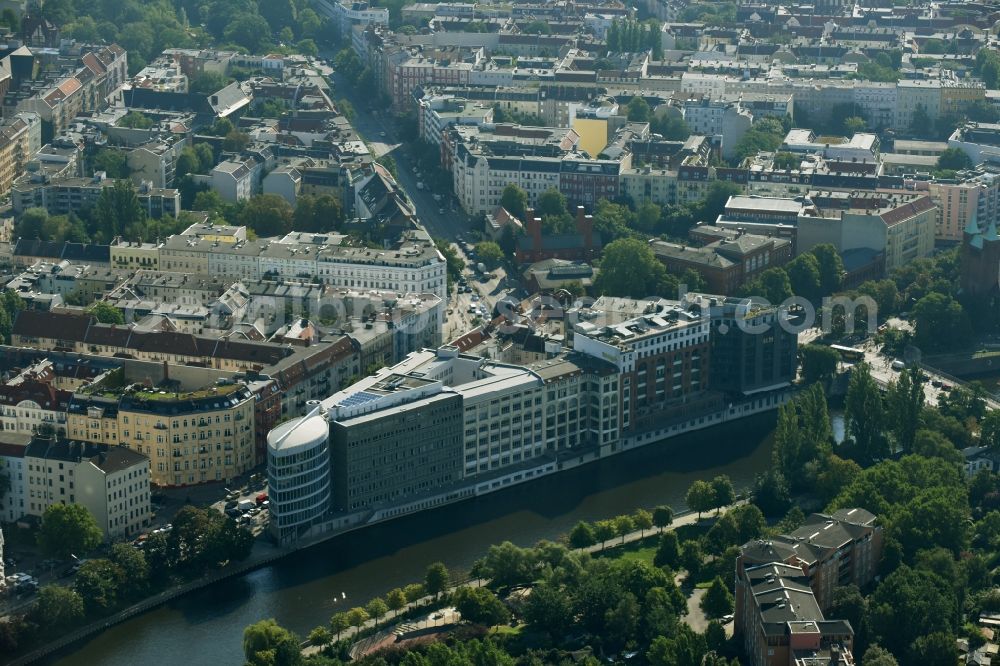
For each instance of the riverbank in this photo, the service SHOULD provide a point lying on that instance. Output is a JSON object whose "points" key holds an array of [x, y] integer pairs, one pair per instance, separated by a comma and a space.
{"points": [[682, 519], [303, 589]]}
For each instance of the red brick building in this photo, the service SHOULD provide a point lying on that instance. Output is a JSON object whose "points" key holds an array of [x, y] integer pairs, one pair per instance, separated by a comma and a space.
{"points": [[584, 245], [730, 259]]}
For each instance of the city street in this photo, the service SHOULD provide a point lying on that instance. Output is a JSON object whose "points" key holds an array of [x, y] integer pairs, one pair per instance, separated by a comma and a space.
{"points": [[451, 224]]}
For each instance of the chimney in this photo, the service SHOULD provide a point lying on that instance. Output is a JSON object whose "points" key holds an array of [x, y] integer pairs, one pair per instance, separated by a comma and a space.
{"points": [[835, 655], [535, 229], [585, 227], [166, 371]]}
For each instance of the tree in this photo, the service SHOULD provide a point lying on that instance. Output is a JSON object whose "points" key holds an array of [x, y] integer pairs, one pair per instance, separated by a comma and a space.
{"points": [[831, 267], [700, 497], [479, 605], [940, 323], [136, 120], [551, 202], [106, 313], [317, 214], [582, 535], [97, 582], [819, 362], [864, 416], [266, 643], [638, 110], [904, 405], [642, 520], [668, 551], [267, 214], [320, 636], [187, 162], [436, 579], [414, 592], [663, 516], [629, 268], [112, 162], [395, 599], [515, 201], [206, 83], [134, 567], [117, 210], [954, 159], [854, 124], [604, 530], [549, 609], [715, 636], [250, 31], [235, 141], [989, 429], [508, 565], [357, 617], [376, 608], [623, 525], [691, 557], [878, 656], [718, 601], [339, 622], [908, 604], [622, 621], [58, 608], [722, 491], [68, 529], [804, 277], [770, 492], [490, 254], [684, 648]]}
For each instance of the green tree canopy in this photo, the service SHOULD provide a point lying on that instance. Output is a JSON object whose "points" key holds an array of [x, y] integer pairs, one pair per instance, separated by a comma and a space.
{"points": [[68, 529], [267, 214], [629, 268]]}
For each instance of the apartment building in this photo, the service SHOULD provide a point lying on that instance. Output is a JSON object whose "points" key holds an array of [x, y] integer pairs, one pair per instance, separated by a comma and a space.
{"points": [[13, 504], [781, 623], [20, 138], [414, 265], [135, 255], [81, 334], [969, 197], [31, 405], [901, 226], [110, 482], [62, 196], [346, 15], [484, 160], [831, 551], [83, 86], [785, 584], [190, 437]]}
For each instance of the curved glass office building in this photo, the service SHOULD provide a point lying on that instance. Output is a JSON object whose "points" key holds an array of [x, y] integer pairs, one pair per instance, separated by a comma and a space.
{"points": [[298, 474]]}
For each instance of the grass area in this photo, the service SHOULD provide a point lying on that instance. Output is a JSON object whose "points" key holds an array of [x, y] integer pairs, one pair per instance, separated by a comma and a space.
{"points": [[507, 630], [703, 585], [633, 551]]}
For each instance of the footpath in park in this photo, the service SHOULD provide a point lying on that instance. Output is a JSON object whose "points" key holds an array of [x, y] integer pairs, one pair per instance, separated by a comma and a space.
{"points": [[385, 621]]}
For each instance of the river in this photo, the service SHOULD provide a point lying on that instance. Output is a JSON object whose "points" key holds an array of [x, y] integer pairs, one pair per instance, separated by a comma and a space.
{"points": [[305, 589]]}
